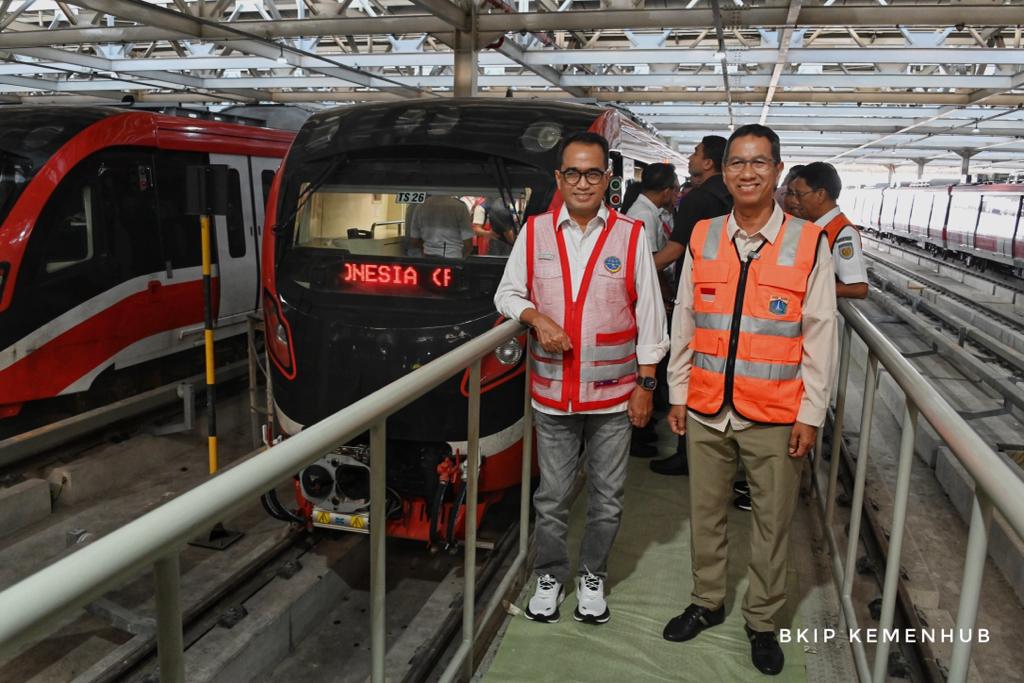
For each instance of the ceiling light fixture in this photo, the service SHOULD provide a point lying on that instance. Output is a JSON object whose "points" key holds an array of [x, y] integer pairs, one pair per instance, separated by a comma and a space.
{"points": [[976, 128], [281, 58]]}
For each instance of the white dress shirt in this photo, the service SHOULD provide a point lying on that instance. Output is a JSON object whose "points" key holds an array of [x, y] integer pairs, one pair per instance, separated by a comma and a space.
{"points": [[643, 209], [847, 252], [652, 336]]}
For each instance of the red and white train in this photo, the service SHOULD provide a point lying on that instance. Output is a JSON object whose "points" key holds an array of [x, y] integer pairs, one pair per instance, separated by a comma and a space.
{"points": [[982, 224], [99, 264]]}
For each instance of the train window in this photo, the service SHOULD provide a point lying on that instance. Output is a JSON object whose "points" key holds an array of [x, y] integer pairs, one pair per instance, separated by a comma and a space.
{"points": [[235, 222], [71, 237], [126, 205], [267, 179], [997, 223], [180, 232], [393, 222], [963, 218], [15, 172]]}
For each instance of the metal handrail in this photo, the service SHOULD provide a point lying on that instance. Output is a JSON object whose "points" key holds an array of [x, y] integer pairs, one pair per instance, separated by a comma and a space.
{"points": [[996, 485], [29, 607]]}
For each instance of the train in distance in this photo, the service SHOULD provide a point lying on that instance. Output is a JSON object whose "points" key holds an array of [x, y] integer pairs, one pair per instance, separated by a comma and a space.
{"points": [[981, 224]]}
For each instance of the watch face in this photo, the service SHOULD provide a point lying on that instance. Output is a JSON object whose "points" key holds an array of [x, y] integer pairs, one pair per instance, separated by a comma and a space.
{"points": [[647, 382]]}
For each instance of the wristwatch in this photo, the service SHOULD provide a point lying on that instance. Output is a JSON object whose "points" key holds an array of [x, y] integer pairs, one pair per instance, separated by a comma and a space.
{"points": [[648, 383]]}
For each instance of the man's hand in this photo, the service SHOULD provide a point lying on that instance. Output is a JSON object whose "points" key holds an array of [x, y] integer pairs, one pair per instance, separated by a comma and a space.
{"points": [[551, 337], [641, 404], [801, 439], [677, 419]]}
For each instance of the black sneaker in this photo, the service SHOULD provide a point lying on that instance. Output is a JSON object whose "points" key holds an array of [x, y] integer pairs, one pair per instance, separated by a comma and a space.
{"points": [[741, 487], [765, 651], [675, 465], [691, 622], [742, 502]]}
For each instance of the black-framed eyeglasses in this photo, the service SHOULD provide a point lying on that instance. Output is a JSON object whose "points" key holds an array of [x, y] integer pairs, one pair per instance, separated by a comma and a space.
{"points": [[573, 175], [759, 164], [798, 195]]}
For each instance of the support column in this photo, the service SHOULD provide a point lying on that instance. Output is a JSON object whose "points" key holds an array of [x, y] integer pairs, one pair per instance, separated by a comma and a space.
{"points": [[921, 163], [892, 172], [965, 162], [466, 59]]}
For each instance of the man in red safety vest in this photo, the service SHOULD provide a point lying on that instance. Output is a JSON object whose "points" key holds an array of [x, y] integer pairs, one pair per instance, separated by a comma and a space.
{"points": [[583, 279], [753, 351], [815, 189]]}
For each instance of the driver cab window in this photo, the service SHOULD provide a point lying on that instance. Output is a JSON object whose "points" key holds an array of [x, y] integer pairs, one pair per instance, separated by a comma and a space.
{"points": [[72, 232]]}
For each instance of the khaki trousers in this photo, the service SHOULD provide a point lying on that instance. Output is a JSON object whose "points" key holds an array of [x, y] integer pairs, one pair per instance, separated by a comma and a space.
{"points": [[774, 479]]}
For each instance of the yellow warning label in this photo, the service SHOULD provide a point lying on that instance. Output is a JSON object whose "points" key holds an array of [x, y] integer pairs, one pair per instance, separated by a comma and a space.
{"points": [[323, 517], [357, 522]]}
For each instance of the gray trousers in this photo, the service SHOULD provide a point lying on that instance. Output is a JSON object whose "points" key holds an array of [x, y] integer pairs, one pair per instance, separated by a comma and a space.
{"points": [[559, 438]]}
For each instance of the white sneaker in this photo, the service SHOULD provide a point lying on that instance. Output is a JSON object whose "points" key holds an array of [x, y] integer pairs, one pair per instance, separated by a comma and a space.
{"points": [[591, 607], [543, 606]]}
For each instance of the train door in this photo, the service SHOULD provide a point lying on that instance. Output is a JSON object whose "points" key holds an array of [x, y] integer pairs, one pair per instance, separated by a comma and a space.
{"points": [[237, 246], [262, 170]]}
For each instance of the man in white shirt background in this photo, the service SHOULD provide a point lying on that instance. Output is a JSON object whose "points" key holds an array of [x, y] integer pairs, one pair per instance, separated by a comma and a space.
{"points": [[598, 332], [814, 191]]}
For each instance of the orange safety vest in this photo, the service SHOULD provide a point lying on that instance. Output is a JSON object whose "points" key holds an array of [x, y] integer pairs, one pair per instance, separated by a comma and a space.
{"points": [[747, 342], [835, 226], [600, 369]]}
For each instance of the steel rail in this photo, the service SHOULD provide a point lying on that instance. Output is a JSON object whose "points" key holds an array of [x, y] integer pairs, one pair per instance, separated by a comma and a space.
{"points": [[29, 607], [996, 486]]}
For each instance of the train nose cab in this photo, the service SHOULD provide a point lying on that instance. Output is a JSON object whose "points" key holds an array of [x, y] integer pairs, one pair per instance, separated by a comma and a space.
{"points": [[374, 276]]}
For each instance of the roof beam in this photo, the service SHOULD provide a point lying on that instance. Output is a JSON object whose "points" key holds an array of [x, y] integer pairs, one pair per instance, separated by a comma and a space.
{"points": [[783, 58]]}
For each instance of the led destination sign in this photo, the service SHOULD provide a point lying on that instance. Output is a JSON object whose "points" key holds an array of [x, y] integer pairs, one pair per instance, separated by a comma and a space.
{"points": [[396, 278]]}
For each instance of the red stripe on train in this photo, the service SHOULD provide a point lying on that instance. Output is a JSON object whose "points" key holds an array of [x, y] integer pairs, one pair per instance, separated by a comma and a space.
{"points": [[62, 361]]}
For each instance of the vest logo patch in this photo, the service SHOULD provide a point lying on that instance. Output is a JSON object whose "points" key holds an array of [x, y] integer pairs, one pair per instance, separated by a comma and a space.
{"points": [[707, 293], [778, 305], [846, 251], [613, 264]]}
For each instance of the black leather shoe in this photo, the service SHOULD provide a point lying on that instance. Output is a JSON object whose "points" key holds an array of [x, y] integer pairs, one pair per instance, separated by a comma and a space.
{"points": [[675, 465], [691, 622], [642, 450], [765, 651]]}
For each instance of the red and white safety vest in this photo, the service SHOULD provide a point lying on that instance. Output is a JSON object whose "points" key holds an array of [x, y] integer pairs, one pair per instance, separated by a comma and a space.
{"points": [[748, 339], [600, 369]]}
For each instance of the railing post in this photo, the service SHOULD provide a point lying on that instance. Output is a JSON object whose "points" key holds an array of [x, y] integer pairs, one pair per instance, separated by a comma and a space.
{"points": [[837, 424], [378, 540], [472, 474], [524, 493], [857, 505], [970, 590], [894, 553], [170, 642]]}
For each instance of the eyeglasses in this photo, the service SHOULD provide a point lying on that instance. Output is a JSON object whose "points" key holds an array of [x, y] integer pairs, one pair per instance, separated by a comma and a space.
{"points": [[759, 164], [573, 175], [797, 195]]}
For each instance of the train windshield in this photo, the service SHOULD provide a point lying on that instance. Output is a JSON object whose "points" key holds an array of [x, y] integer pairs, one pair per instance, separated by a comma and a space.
{"points": [[15, 172], [405, 205]]}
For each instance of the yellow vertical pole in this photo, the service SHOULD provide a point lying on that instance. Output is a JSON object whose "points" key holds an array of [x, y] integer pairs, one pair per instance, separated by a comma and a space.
{"points": [[211, 379]]}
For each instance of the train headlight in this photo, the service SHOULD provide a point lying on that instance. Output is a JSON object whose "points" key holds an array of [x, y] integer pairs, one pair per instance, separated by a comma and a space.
{"points": [[541, 136], [281, 334], [509, 353]]}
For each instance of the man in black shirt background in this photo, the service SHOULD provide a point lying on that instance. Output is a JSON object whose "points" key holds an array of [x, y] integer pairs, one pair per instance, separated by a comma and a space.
{"points": [[709, 198]]}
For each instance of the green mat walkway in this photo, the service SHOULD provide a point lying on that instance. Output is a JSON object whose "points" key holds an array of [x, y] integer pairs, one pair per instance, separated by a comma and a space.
{"points": [[649, 583]]}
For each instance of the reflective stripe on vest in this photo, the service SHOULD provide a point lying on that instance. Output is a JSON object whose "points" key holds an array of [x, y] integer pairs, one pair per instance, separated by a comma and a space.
{"points": [[600, 319], [750, 343]]}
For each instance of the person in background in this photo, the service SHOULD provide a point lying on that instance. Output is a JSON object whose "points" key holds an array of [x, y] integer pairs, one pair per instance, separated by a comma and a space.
{"points": [[493, 227], [708, 199], [815, 189], [582, 281], [736, 401], [783, 196], [440, 227]]}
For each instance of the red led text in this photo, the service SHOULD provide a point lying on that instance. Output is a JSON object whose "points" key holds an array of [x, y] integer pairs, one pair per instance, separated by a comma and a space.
{"points": [[393, 274]]}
